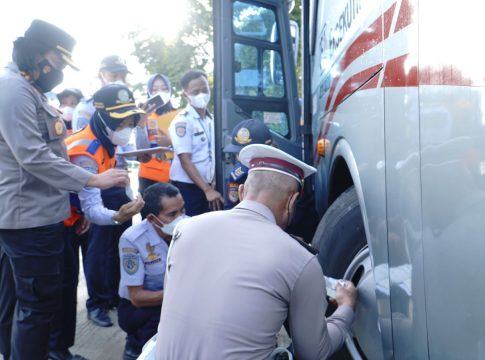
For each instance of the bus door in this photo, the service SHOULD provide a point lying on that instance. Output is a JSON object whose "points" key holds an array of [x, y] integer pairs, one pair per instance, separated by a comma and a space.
{"points": [[254, 74]]}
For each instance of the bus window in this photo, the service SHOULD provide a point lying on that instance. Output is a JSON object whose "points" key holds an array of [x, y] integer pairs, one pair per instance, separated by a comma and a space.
{"points": [[276, 121], [246, 73], [273, 80], [254, 22]]}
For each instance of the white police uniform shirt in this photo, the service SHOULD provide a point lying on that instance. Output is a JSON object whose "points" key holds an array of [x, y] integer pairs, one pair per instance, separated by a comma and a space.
{"points": [[82, 114], [191, 134], [143, 256], [90, 197]]}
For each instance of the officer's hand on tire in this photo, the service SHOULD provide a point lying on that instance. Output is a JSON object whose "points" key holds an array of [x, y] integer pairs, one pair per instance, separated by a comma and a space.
{"points": [[346, 293], [127, 210], [109, 178]]}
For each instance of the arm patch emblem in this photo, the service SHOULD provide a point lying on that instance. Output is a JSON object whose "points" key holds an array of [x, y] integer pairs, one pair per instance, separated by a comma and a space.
{"points": [[181, 129], [130, 263]]}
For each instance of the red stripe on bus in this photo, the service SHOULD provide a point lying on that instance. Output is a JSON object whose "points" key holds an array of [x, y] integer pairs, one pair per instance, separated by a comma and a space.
{"points": [[399, 74], [371, 37], [354, 82], [388, 20], [446, 75], [405, 16]]}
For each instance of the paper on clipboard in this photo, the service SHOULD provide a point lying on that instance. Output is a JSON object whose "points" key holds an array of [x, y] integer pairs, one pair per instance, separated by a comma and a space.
{"points": [[154, 150]]}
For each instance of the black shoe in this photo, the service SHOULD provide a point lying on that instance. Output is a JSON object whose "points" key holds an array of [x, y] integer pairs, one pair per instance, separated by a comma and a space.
{"points": [[64, 355], [130, 354], [113, 303], [100, 317]]}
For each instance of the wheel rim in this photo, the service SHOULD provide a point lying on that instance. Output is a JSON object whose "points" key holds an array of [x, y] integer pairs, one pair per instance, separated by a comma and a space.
{"points": [[362, 342]]}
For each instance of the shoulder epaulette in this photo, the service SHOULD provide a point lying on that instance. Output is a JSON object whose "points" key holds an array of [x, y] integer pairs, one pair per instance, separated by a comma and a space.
{"points": [[311, 249]]}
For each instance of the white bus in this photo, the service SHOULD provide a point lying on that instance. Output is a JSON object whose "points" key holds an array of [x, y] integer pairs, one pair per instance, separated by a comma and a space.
{"points": [[393, 117]]}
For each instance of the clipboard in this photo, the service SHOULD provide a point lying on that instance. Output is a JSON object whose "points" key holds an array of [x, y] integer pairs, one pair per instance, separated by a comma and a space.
{"points": [[154, 150]]}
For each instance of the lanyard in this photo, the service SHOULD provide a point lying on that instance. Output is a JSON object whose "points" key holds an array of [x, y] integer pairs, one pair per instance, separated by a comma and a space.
{"points": [[208, 134]]}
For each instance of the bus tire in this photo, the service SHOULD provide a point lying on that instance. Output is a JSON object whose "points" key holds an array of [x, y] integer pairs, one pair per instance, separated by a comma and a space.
{"points": [[339, 237]]}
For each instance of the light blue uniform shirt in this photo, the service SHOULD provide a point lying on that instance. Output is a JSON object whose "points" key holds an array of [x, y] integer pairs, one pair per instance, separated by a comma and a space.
{"points": [[143, 257], [191, 134]]}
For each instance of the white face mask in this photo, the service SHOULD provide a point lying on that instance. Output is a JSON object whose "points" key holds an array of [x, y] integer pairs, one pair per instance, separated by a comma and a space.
{"points": [[67, 112], [119, 137], [200, 101], [106, 82], [165, 96], [170, 227]]}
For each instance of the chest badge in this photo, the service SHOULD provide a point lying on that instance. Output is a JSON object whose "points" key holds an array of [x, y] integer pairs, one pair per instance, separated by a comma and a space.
{"points": [[58, 127], [151, 252]]}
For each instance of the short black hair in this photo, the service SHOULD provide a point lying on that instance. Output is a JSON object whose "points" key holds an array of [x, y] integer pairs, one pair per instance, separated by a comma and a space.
{"points": [[153, 196], [191, 75]]}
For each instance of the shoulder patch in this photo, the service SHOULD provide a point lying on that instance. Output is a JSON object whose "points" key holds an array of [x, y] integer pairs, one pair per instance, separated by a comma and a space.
{"points": [[239, 172], [131, 263], [232, 192], [181, 129]]}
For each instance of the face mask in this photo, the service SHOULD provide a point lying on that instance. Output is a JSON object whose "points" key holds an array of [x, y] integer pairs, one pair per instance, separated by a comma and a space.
{"points": [[119, 137], [49, 77], [106, 82], [117, 82], [170, 227], [165, 95], [200, 101], [67, 112]]}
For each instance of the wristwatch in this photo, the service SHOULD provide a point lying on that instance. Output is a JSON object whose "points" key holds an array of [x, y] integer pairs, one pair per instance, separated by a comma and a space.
{"points": [[115, 222]]}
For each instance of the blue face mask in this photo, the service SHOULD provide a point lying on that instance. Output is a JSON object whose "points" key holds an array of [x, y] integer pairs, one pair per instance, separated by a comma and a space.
{"points": [[170, 227]]}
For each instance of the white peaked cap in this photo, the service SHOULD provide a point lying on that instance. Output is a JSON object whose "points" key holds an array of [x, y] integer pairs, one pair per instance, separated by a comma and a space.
{"points": [[265, 157]]}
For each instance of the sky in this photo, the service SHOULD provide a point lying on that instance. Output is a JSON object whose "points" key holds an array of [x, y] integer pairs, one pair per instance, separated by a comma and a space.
{"points": [[100, 27]]}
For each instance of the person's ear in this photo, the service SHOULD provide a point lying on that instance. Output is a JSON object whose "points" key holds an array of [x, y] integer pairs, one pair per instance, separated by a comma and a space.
{"points": [[292, 200], [240, 191], [150, 218]]}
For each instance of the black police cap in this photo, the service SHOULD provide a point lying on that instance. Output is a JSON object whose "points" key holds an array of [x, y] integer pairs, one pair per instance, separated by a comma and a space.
{"points": [[53, 38], [70, 91], [114, 63], [117, 101], [248, 132]]}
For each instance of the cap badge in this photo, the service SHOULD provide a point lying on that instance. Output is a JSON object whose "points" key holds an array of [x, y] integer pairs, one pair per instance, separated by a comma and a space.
{"points": [[243, 136], [123, 95]]}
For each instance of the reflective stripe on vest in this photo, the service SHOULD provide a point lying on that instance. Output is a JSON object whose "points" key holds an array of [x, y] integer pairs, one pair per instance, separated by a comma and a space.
{"points": [[159, 170]]}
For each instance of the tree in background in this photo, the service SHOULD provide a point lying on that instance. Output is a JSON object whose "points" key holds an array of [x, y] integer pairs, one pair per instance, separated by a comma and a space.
{"points": [[192, 48]]}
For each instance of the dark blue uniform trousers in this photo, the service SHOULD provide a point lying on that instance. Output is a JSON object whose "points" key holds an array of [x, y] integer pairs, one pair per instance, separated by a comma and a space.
{"points": [[102, 263], [64, 323], [36, 255], [140, 324], [7, 303], [195, 200]]}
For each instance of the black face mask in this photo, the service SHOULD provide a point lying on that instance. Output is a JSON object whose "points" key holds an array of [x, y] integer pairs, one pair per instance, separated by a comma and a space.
{"points": [[49, 79]]}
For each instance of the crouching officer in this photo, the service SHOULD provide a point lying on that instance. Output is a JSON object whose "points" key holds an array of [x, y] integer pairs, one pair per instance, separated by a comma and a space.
{"points": [[93, 148], [245, 133], [143, 251]]}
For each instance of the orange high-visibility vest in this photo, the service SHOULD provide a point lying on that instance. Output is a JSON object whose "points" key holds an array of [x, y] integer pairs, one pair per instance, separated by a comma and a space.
{"points": [[84, 143], [155, 169]]}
